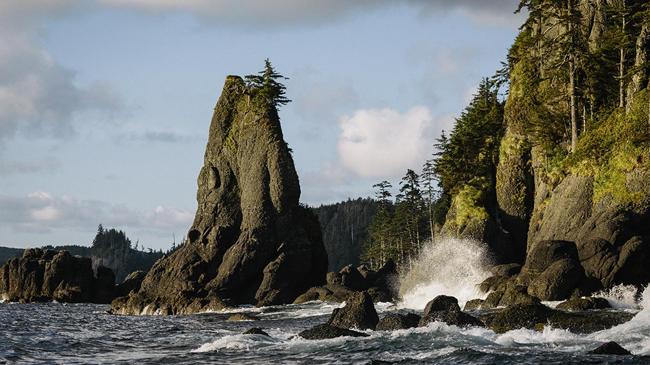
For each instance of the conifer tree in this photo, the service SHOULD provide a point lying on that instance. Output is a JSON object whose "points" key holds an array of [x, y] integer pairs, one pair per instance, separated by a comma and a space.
{"points": [[266, 85]]}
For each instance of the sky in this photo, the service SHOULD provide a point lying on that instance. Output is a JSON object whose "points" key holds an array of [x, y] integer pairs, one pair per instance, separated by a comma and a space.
{"points": [[105, 105]]}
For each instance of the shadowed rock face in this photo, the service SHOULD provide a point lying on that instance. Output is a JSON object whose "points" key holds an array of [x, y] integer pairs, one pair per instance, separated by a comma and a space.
{"points": [[251, 242], [46, 275]]}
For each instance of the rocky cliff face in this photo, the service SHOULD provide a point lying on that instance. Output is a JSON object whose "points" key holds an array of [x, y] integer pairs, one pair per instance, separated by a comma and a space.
{"points": [[577, 222], [45, 275], [251, 242]]}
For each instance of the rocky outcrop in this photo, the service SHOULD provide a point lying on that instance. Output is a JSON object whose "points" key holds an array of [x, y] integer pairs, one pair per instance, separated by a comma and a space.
{"points": [[45, 275], [358, 312], [251, 242], [381, 285], [536, 316]]}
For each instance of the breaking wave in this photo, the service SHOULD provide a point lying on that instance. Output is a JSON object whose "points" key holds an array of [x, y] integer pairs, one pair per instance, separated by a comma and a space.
{"points": [[449, 266]]}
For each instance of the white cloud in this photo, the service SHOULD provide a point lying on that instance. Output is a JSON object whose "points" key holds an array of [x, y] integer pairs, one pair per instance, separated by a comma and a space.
{"points": [[384, 143], [265, 13], [42, 212], [39, 96]]}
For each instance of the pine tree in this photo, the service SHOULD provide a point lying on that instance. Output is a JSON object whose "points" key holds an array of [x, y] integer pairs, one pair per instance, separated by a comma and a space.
{"points": [[428, 188], [267, 87]]}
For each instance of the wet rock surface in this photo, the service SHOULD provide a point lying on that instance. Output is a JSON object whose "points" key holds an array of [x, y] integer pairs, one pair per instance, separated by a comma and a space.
{"points": [[610, 348], [325, 331], [398, 321], [358, 312], [446, 309]]}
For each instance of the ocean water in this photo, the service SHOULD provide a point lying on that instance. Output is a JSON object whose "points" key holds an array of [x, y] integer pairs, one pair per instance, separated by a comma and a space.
{"points": [[53, 333]]}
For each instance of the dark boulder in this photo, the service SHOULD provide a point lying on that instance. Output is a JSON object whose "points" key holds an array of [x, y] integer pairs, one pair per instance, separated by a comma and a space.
{"points": [[444, 308], [398, 321], [583, 304], [358, 312], [45, 275], [610, 348], [325, 331], [351, 278], [256, 331], [558, 281], [441, 303], [251, 241]]}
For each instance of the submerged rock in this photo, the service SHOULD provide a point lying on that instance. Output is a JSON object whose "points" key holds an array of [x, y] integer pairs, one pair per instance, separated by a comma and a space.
{"points": [[242, 317], [610, 348], [256, 331], [250, 242], [398, 321], [325, 331], [45, 275], [358, 312]]}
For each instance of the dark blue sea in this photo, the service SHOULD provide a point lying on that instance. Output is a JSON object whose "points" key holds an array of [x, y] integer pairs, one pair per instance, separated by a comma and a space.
{"points": [[55, 333]]}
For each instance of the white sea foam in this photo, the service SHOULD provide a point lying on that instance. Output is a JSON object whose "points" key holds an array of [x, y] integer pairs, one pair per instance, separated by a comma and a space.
{"points": [[449, 266], [621, 296], [236, 342]]}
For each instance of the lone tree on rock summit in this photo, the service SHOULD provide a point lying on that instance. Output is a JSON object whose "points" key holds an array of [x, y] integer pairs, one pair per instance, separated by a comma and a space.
{"points": [[266, 85]]}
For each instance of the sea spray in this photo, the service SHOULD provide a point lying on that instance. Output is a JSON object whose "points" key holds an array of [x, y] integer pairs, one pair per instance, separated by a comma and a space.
{"points": [[450, 266], [622, 296]]}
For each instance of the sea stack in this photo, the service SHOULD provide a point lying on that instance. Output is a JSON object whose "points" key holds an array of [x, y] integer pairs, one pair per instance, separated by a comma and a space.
{"points": [[251, 241]]}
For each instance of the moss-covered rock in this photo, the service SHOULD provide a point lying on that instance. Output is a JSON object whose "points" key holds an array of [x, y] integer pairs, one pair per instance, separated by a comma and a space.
{"points": [[250, 242]]}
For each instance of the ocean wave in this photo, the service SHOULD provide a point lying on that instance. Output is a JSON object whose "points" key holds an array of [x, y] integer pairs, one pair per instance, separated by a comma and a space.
{"points": [[449, 266]]}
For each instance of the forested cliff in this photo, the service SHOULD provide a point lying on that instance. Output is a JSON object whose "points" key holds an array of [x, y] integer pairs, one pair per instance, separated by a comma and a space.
{"points": [[556, 145]]}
